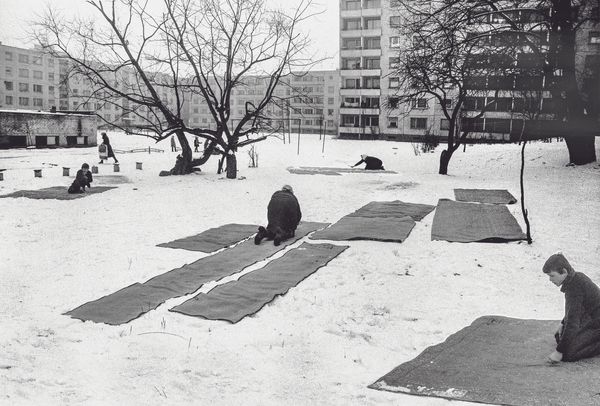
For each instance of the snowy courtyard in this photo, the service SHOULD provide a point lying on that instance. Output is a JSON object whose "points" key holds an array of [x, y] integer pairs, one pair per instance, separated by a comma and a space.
{"points": [[375, 306]]}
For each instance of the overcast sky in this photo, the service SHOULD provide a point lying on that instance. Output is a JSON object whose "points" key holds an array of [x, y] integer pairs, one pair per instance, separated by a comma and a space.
{"points": [[16, 14]]}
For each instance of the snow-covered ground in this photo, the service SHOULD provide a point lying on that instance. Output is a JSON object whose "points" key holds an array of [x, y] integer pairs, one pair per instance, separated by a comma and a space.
{"points": [[375, 306]]}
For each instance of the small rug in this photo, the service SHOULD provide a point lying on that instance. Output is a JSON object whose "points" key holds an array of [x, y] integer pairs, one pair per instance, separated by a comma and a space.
{"points": [[213, 239], [131, 302], [498, 360], [394, 209], [492, 196], [388, 229], [474, 222], [57, 193], [235, 300]]}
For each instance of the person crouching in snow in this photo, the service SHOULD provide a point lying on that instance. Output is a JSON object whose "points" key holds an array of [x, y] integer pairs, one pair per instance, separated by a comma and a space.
{"points": [[82, 179], [283, 215], [578, 336], [372, 162]]}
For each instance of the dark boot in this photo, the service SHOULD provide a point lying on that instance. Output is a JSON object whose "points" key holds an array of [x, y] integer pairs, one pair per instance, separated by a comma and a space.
{"points": [[262, 233]]}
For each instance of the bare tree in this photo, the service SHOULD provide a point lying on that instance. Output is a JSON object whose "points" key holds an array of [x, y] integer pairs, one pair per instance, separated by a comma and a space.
{"points": [[149, 66]]}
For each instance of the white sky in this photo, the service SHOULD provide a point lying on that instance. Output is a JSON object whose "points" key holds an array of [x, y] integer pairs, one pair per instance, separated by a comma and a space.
{"points": [[15, 16]]}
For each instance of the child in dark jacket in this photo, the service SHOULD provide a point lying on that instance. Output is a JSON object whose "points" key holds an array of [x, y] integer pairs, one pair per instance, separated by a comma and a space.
{"points": [[283, 215], [578, 336], [82, 179]]}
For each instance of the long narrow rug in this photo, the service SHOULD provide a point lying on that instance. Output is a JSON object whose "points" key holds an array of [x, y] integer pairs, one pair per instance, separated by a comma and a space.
{"points": [[394, 209], [57, 193], [213, 239], [474, 222], [131, 302], [498, 360], [491, 196], [387, 229], [235, 300]]}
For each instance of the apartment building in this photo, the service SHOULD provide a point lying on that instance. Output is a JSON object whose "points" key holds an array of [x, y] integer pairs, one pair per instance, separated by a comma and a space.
{"points": [[28, 79], [368, 107]]}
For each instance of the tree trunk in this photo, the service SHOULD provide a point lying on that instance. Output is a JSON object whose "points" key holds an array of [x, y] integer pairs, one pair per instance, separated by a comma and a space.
{"points": [[444, 161], [231, 166], [582, 149], [183, 162]]}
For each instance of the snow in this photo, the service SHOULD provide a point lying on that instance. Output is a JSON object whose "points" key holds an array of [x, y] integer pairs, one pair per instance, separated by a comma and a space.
{"points": [[375, 306]]}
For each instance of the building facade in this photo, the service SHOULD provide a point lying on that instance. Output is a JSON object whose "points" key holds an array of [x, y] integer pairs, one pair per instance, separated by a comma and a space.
{"points": [[368, 108]]}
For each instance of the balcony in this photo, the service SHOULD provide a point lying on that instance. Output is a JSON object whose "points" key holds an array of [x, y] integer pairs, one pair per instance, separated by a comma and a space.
{"points": [[344, 128], [359, 110], [362, 12], [358, 91]]}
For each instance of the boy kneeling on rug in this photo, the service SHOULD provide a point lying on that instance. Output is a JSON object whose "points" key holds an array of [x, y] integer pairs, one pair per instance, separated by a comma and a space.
{"points": [[82, 179], [283, 215], [578, 336]]}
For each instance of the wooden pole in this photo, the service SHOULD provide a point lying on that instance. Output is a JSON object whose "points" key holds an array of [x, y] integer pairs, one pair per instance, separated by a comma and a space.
{"points": [[324, 132], [299, 123]]}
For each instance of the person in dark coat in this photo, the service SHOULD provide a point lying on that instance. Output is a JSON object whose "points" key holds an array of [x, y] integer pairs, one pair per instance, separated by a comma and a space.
{"points": [[196, 144], [283, 215], [111, 153], [82, 179], [578, 336], [372, 162]]}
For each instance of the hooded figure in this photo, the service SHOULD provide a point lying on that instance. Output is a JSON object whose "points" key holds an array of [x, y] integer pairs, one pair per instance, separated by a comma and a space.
{"points": [[283, 215], [372, 162], [579, 333]]}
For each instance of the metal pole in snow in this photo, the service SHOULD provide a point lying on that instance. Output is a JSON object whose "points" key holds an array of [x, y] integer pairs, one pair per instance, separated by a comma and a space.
{"points": [[324, 132]]}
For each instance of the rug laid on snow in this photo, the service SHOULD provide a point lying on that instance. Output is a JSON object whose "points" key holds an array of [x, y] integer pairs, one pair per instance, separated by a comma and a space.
{"points": [[57, 193], [498, 360], [387, 229], [474, 222], [235, 300], [324, 170], [491, 196], [213, 239], [135, 300], [394, 209]]}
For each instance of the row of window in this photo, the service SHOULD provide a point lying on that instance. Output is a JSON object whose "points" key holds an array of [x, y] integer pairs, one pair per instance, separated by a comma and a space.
{"points": [[358, 4], [24, 87], [24, 101], [24, 58], [24, 73]]}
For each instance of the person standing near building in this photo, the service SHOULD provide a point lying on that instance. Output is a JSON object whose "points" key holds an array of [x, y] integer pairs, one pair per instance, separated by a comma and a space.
{"points": [[196, 144], [110, 153]]}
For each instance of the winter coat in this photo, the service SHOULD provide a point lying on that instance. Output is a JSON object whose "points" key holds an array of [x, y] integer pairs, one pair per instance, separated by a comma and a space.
{"points": [[106, 142], [581, 324], [372, 163], [81, 181], [283, 212]]}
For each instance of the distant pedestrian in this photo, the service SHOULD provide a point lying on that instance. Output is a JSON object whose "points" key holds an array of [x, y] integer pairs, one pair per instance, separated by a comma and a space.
{"points": [[82, 179], [283, 215], [173, 144], [372, 162], [105, 149], [196, 144], [578, 336]]}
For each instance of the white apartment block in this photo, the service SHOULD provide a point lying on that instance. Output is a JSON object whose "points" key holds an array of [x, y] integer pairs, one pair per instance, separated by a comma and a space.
{"points": [[28, 79]]}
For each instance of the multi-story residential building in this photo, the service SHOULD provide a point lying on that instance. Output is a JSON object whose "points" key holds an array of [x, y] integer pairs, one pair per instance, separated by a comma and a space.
{"points": [[28, 79], [368, 109]]}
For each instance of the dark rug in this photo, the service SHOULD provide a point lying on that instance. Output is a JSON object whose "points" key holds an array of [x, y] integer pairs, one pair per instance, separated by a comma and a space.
{"points": [[474, 222], [498, 360], [324, 170], [394, 209], [131, 302], [57, 193], [492, 196], [235, 300], [213, 239], [389, 229]]}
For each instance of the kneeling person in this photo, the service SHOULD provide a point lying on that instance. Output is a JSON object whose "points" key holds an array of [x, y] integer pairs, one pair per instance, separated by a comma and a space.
{"points": [[82, 179], [578, 336], [372, 163], [283, 215]]}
